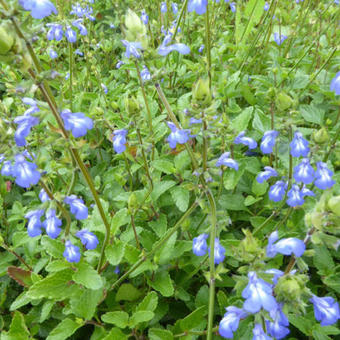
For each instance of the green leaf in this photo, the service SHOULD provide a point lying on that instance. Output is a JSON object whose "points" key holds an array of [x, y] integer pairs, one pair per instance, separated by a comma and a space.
{"points": [[241, 122], [323, 260], [159, 226], [202, 297], [181, 197], [302, 324], [127, 292], [160, 334], [160, 188], [232, 201], [87, 276], [115, 252], [65, 329], [53, 247], [261, 122], [139, 317], [182, 161], [58, 265], [166, 251], [118, 318], [21, 276], [163, 165], [259, 189], [162, 283], [17, 330], [46, 309], [84, 306], [252, 13], [120, 218], [232, 177], [194, 319], [149, 302], [20, 301], [115, 334], [312, 113]]}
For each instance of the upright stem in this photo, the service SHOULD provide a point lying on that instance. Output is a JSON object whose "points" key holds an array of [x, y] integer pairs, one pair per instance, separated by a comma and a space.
{"points": [[183, 9], [5, 246], [71, 74], [334, 140], [207, 42]]}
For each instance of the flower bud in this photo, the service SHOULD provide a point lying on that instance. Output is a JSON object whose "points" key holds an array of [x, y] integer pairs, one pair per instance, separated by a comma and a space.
{"points": [[1, 241], [131, 105], [133, 23], [6, 39], [316, 219], [288, 288], [321, 136], [201, 92], [132, 202], [334, 205], [283, 101]]}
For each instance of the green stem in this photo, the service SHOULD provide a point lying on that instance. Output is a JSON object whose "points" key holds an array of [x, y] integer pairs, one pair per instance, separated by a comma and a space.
{"points": [[215, 329], [183, 9], [71, 74], [129, 171], [207, 41], [334, 140], [5, 246]]}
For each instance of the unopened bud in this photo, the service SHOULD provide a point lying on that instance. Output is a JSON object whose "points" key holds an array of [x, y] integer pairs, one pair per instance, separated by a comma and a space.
{"points": [[131, 105], [6, 39], [334, 205], [201, 92], [321, 136], [283, 101]]}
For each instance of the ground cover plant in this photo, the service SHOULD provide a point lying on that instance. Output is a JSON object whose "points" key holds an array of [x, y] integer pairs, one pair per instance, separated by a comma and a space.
{"points": [[169, 170]]}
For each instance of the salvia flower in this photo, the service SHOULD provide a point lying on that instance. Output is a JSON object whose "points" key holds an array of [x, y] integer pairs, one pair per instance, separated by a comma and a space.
{"points": [[326, 310], [242, 139], [25, 172], [104, 87], [277, 191], [219, 252], [179, 136], [199, 6], [299, 145], [233, 6], [194, 121], [55, 32], [119, 140], [76, 122], [132, 48], [295, 197], [306, 192], [266, 174], [304, 172], [286, 246], [279, 39], [258, 294], [34, 224], [174, 7], [323, 176], [145, 74], [144, 17], [7, 168], [259, 334], [266, 6], [77, 207], [39, 8], [278, 327], [25, 123], [229, 324], [201, 48], [227, 161], [80, 53], [43, 196], [71, 35], [79, 24], [72, 252], [165, 48], [163, 7], [268, 141], [88, 239], [119, 64], [276, 274], [52, 224], [53, 54], [199, 245], [335, 83]]}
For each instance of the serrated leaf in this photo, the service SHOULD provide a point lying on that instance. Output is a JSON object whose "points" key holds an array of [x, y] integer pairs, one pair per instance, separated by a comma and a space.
{"points": [[160, 188], [127, 292], [181, 197], [259, 189], [163, 165], [261, 122], [241, 122], [139, 317], [84, 306], [165, 253], [21, 276], [65, 329], [115, 334], [87, 276], [312, 113], [115, 252], [17, 330], [160, 225], [46, 309], [160, 334], [323, 260], [58, 265], [53, 247], [232, 177], [194, 319], [118, 318], [149, 302], [120, 218], [20, 301], [162, 283]]}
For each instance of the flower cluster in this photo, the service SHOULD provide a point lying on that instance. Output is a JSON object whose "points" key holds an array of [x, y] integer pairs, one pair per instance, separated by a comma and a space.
{"points": [[56, 31], [200, 248], [164, 49], [76, 122], [258, 295], [177, 135], [39, 8]]}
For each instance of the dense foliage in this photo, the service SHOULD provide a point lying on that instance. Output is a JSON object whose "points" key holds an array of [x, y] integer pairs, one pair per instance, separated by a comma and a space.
{"points": [[169, 169]]}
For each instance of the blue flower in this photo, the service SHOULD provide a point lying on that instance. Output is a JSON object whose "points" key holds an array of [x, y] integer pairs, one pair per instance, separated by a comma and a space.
{"points": [[77, 10], [52, 224], [144, 17], [336, 2], [266, 174], [39, 8], [299, 145], [195, 121], [7, 168], [266, 6], [77, 207], [323, 176], [278, 327], [25, 172], [174, 8], [43, 196], [79, 24], [229, 323], [177, 135], [165, 48], [80, 53], [258, 294], [259, 334], [25, 123], [201, 48], [145, 74], [277, 191], [163, 7], [104, 87], [71, 253], [199, 245], [335, 83], [241, 139], [88, 239], [119, 140], [295, 197], [306, 192], [276, 274], [132, 48], [286, 246], [53, 54], [279, 39], [117, 270], [77, 122], [55, 32], [71, 35], [34, 224], [268, 141], [326, 310], [119, 64], [219, 252], [199, 6], [233, 6], [304, 172], [227, 161]]}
